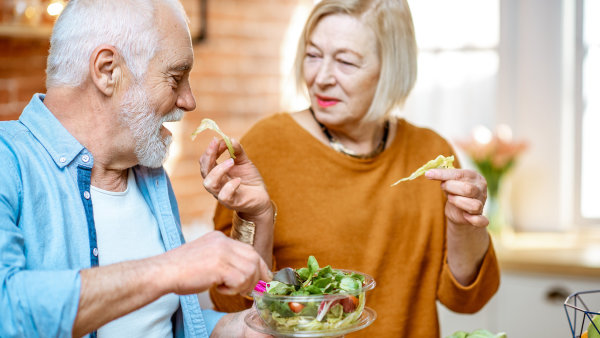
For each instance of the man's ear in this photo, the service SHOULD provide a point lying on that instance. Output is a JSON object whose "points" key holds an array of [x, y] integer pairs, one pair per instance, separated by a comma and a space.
{"points": [[106, 69]]}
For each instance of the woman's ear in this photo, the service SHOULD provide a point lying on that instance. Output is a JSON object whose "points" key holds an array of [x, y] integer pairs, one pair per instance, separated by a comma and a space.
{"points": [[106, 69]]}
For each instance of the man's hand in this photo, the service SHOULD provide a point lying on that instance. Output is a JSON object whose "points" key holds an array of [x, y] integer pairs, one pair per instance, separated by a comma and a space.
{"points": [[237, 184], [214, 259], [233, 325], [111, 291]]}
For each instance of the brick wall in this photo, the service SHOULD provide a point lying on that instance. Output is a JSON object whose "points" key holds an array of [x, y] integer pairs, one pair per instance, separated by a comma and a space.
{"points": [[236, 80], [22, 73]]}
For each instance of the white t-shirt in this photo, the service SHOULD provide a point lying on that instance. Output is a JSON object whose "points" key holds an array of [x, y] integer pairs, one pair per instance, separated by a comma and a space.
{"points": [[126, 230]]}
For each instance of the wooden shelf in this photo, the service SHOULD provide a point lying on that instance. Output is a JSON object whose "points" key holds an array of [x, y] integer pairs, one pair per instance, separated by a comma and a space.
{"points": [[567, 254], [25, 32]]}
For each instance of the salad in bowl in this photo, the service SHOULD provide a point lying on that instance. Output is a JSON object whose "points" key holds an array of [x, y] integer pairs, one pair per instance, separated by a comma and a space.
{"points": [[320, 300]]}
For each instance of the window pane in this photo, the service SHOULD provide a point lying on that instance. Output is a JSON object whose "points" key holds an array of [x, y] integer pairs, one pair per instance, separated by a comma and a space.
{"points": [[455, 91], [590, 180], [456, 24], [591, 22]]}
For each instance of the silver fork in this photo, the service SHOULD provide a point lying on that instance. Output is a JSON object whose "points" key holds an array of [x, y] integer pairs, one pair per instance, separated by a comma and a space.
{"points": [[287, 276]]}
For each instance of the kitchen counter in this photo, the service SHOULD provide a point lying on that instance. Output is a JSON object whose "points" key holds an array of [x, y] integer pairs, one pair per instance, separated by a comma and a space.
{"points": [[559, 253]]}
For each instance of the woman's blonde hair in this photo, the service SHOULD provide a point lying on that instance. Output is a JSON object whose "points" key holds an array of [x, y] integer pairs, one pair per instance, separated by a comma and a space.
{"points": [[391, 21]]}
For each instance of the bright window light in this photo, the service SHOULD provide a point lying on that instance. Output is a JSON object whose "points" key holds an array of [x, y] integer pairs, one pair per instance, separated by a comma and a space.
{"points": [[458, 65], [590, 138]]}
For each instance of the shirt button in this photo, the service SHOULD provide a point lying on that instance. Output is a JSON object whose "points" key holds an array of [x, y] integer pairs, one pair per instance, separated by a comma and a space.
{"points": [[86, 195], [85, 158], [95, 252], [62, 160]]}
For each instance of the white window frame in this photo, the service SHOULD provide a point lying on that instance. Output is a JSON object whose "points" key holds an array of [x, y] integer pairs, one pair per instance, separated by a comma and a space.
{"points": [[580, 51]]}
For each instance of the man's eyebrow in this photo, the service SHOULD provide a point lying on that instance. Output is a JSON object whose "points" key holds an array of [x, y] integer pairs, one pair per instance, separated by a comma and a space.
{"points": [[181, 67]]}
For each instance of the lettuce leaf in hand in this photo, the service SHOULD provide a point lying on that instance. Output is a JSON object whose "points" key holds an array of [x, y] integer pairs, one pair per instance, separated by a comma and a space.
{"points": [[438, 162], [210, 124]]}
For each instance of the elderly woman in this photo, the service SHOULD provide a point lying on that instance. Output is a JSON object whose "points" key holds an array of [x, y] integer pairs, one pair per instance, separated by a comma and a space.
{"points": [[329, 168]]}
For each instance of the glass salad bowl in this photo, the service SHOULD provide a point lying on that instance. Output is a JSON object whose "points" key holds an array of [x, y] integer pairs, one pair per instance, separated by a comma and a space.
{"points": [[325, 302]]}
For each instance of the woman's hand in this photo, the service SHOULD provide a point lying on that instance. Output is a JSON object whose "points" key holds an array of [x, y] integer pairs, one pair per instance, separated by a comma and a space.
{"points": [[237, 184], [466, 191], [467, 238], [233, 325]]}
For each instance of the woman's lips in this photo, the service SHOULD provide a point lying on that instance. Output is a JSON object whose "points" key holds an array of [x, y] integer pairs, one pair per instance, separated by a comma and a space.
{"points": [[326, 101]]}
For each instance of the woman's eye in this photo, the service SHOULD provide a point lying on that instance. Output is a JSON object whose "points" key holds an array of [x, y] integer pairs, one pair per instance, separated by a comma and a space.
{"points": [[347, 63], [311, 55]]}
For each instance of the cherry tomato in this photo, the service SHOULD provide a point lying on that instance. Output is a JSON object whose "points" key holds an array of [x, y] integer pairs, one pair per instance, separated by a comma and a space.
{"points": [[296, 307], [349, 303]]}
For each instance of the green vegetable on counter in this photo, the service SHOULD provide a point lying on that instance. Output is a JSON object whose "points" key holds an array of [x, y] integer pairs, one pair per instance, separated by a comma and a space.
{"points": [[477, 334]]}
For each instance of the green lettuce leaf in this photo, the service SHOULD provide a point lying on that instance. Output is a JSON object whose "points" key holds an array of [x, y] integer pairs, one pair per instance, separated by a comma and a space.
{"points": [[438, 162]]}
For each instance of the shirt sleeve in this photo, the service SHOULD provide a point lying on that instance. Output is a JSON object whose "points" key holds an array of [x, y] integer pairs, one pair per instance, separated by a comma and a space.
{"points": [[470, 298], [211, 318], [32, 303]]}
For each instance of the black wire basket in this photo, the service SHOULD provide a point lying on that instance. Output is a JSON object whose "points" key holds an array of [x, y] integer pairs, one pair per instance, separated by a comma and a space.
{"points": [[578, 307]]}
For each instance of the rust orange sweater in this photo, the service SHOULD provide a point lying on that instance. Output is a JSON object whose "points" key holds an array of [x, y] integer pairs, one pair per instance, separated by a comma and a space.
{"points": [[343, 211]]}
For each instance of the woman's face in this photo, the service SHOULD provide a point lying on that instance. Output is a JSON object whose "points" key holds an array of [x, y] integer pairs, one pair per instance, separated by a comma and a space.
{"points": [[341, 69]]}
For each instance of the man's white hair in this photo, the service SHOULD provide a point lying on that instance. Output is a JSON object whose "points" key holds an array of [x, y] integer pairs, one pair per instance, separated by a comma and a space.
{"points": [[128, 25]]}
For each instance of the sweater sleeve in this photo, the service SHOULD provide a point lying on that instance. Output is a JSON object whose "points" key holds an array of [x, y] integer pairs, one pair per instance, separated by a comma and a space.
{"points": [[470, 298], [253, 142], [225, 303]]}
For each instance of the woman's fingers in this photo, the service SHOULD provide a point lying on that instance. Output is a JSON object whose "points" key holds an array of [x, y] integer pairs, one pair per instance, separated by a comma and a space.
{"points": [[479, 221], [217, 177], [208, 160], [470, 205], [228, 190], [462, 188]]}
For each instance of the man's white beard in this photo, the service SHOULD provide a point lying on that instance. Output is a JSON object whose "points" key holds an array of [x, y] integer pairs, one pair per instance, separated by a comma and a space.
{"points": [[151, 149]]}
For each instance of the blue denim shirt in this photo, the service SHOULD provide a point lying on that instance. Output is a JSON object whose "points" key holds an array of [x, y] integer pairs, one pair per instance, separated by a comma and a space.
{"points": [[47, 232]]}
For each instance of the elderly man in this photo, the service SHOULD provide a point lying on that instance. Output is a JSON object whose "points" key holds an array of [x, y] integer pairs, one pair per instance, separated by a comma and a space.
{"points": [[90, 240]]}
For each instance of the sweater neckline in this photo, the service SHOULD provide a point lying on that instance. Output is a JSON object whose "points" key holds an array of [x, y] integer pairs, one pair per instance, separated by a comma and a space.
{"points": [[347, 160]]}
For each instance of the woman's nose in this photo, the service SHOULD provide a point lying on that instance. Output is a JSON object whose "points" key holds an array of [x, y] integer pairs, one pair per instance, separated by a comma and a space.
{"points": [[325, 76]]}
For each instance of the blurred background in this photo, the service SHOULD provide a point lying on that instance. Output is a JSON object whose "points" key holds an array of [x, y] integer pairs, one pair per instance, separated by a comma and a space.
{"points": [[513, 84]]}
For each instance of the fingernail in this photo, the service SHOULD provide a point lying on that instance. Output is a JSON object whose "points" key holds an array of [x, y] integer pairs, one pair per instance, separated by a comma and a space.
{"points": [[429, 174], [229, 162]]}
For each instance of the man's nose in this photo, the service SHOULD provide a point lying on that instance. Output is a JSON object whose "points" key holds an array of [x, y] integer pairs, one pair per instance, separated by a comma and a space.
{"points": [[186, 100]]}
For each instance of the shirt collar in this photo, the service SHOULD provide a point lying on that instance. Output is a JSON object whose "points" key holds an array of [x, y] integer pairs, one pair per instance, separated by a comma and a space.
{"points": [[62, 146]]}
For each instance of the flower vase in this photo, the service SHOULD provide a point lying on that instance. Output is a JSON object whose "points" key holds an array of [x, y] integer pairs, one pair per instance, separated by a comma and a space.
{"points": [[497, 209], [494, 214]]}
